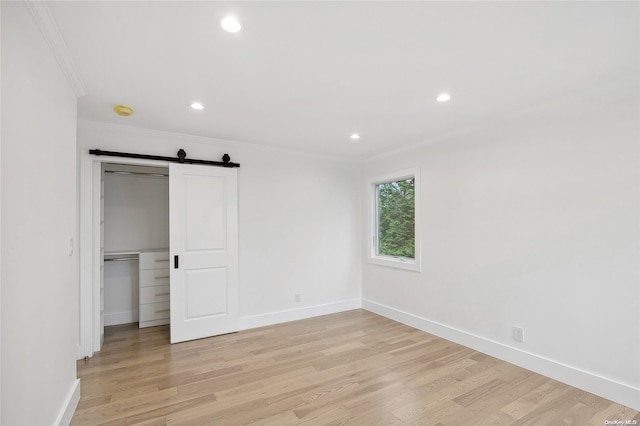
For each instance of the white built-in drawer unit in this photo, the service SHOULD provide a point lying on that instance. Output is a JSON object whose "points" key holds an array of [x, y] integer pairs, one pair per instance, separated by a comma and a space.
{"points": [[154, 288], [154, 260]]}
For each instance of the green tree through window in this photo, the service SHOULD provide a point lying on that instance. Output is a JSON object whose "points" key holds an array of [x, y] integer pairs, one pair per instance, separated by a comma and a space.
{"points": [[396, 218]]}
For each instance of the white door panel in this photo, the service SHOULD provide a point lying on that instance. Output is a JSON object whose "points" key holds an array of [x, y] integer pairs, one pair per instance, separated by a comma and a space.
{"points": [[204, 236], [205, 232], [206, 291]]}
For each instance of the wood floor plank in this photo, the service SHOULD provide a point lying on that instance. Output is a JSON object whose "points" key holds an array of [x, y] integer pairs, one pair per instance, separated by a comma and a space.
{"points": [[284, 418], [353, 368]]}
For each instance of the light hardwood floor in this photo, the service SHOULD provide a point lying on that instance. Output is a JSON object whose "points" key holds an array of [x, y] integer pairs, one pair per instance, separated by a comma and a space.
{"points": [[353, 368]]}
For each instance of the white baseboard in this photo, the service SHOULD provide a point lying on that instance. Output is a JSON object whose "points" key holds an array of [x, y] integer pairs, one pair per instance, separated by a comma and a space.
{"points": [[272, 318], [116, 318], [69, 406], [610, 389]]}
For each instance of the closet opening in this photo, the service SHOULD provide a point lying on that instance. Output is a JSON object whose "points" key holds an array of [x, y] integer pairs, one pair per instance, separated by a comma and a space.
{"points": [[134, 245]]}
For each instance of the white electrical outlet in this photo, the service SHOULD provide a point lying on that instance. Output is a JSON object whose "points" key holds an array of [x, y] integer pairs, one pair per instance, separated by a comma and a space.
{"points": [[518, 334], [297, 298]]}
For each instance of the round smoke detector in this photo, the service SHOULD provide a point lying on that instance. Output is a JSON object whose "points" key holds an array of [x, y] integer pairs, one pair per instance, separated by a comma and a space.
{"points": [[123, 110]]}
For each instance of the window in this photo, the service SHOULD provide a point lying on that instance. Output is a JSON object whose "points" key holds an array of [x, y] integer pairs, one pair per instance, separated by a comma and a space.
{"points": [[394, 209]]}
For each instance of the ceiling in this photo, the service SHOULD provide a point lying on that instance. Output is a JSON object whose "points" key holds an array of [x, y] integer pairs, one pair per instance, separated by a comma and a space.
{"points": [[306, 75]]}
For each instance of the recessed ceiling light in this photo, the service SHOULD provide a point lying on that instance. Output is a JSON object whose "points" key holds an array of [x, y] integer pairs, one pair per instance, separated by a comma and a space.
{"points": [[231, 24], [197, 105], [355, 137], [443, 97]]}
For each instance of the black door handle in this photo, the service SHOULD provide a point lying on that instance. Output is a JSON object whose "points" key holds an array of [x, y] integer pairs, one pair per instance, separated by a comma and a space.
{"points": [[175, 262]]}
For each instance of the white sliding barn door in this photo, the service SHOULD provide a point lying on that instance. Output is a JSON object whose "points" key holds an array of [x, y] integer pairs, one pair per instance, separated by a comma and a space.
{"points": [[203, 205]]}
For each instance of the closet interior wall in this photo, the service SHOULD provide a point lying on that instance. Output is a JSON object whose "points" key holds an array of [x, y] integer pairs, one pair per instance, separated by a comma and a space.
{"points": [[136, 219]]}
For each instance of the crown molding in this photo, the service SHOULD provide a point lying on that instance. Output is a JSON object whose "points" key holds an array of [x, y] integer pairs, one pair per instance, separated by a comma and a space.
{"points": [[44, 20]]}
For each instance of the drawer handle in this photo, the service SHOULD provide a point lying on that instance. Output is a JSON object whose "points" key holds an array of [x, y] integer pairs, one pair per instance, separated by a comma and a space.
{"points": [[160, 278], [162, 294], [162, 260], [164, 310]]}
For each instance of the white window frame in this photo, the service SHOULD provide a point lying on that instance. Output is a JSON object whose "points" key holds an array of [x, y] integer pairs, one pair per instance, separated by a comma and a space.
{"points": [[373, 257]]}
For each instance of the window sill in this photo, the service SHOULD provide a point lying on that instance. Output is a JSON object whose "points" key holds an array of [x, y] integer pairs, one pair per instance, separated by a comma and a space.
{"points": [[397, 262]]}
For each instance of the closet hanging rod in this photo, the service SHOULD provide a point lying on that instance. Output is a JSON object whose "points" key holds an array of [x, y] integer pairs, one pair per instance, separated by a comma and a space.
{"points": [[120, 259], [181, 158], [122, 172]]}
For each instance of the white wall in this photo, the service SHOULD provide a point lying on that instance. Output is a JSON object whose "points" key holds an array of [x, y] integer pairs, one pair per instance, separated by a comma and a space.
{"points": [[136, 209], [121, 292], [0, 220], [531, 223], [39, 278], [299, 221]]}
